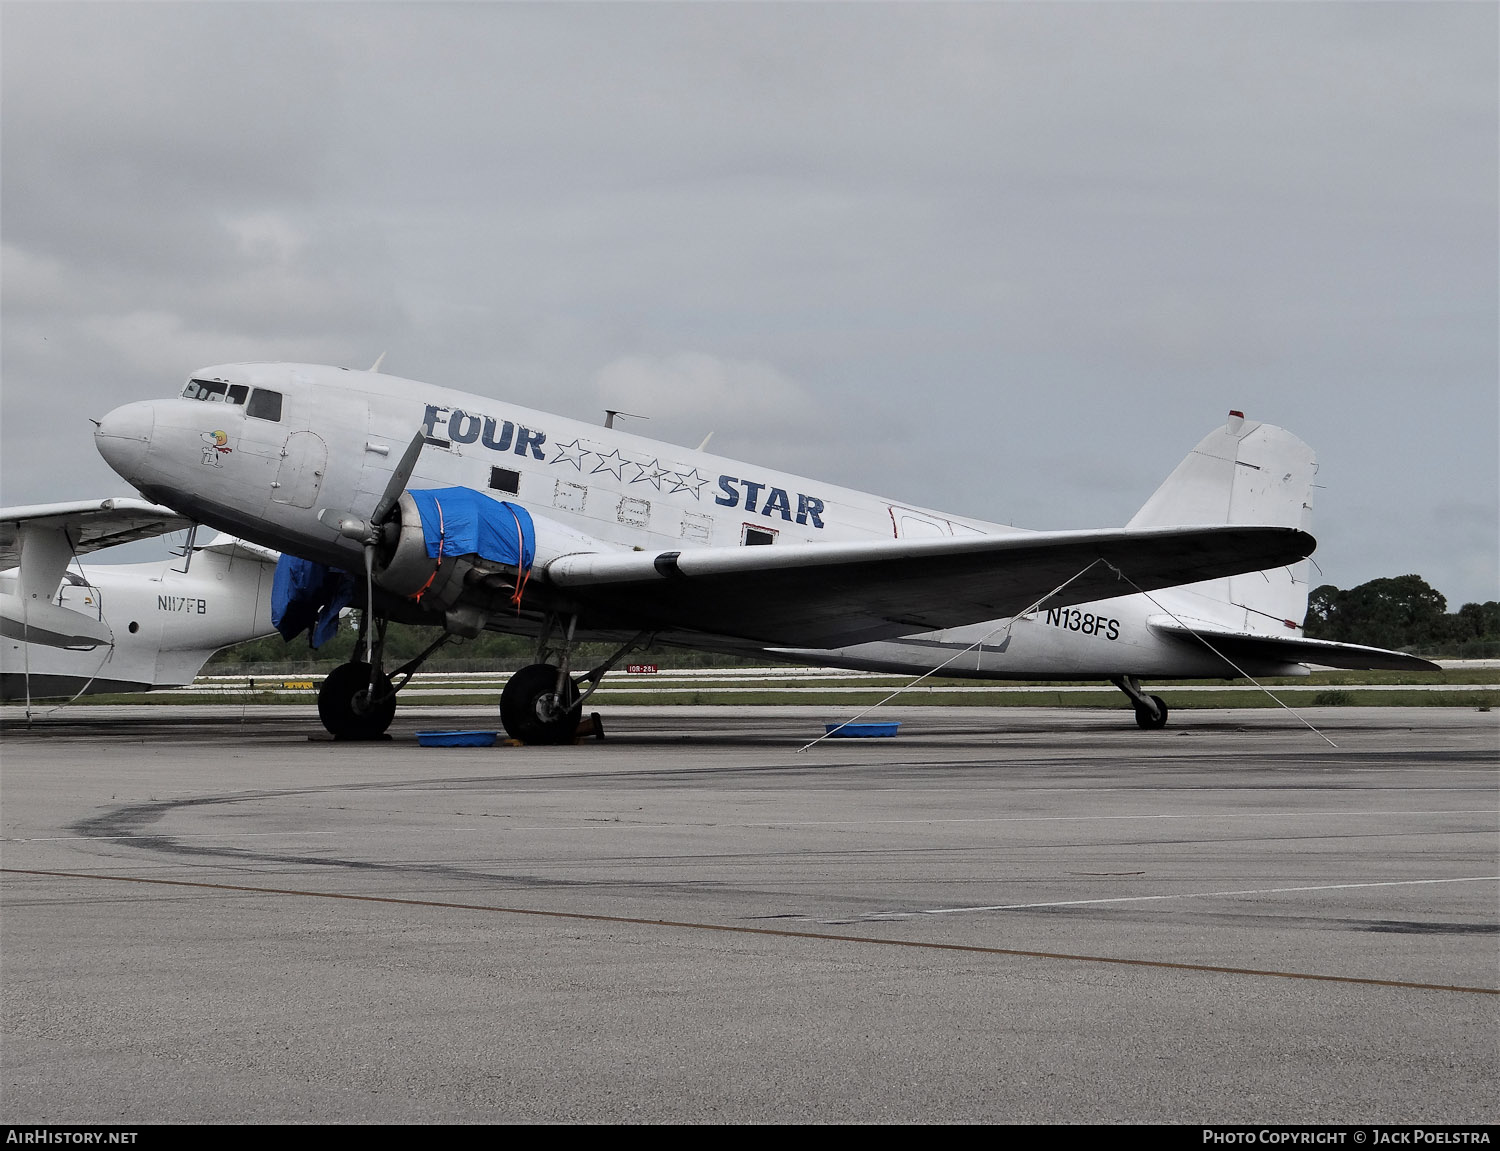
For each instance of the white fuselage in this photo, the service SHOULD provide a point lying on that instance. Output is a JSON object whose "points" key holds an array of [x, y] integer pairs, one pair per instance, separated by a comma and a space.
{"points": [[164, 625], [339, 434]]}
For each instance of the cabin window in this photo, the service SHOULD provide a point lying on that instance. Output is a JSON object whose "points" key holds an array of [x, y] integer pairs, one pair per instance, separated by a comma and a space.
{"points": [[505, 480], [758, 536], [264, 405], [569, 497], [698, 528], [635, 512]]}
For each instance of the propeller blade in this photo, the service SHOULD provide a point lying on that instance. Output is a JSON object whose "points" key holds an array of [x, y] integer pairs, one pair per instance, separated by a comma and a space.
{"points": [[399, 478], [370, 611]]}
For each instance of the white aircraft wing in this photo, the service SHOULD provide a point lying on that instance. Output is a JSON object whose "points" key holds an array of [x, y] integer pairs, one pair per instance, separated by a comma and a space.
{"points": [[88, 525], [835, 595], [1240, 646], [42, 539]]}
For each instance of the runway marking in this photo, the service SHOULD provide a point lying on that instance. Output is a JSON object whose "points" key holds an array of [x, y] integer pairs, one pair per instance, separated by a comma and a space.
{"points": [[1209, 894], [767, 931], [781, 824], [1109, 818]]}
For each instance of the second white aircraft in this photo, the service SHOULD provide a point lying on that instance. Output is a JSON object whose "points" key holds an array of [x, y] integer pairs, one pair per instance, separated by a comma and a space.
{"points": [[70, 629]]}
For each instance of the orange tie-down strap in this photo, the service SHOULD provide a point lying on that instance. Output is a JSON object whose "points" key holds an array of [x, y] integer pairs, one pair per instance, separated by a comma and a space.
{"points": [[523, 569], [442, 531]]}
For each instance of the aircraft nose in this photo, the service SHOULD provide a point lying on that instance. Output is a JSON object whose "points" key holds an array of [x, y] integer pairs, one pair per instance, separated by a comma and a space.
{"points": [[123, 437]]}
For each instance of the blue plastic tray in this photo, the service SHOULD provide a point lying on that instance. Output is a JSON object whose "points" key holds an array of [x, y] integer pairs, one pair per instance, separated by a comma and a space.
{"points": [[456, 738], [860, 730]]}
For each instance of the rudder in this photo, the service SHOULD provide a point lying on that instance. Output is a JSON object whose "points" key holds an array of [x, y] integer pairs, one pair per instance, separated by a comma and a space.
{"points": [[1242, 473]]}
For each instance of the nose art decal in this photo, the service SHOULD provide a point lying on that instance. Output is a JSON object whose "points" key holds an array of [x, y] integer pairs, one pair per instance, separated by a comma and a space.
{"points": [[215, 444]]}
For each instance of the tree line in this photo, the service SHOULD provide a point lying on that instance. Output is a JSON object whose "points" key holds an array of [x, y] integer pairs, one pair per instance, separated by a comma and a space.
{"points": [[1402, 612]]}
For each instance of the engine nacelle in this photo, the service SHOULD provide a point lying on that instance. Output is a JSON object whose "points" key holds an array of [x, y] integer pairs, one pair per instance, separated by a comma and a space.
{"points": [[462, 586], [406, 569]]}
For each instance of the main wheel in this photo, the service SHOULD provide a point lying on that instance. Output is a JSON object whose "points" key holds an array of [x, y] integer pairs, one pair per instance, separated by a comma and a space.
{"points": [[1144, 719], [532, 710], [344, 703]]}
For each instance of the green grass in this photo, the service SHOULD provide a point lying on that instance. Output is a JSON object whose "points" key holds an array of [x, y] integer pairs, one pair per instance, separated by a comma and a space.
{"points": [[713, 690]]}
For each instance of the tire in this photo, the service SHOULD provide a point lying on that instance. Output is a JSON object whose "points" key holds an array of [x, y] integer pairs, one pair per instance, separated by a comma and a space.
{"points": [[340, 701], [1148, 722], [529, 708]]}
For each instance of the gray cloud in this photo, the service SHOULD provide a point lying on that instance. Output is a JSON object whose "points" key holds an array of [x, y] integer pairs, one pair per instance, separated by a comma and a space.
{"points": [[1010, 260]]}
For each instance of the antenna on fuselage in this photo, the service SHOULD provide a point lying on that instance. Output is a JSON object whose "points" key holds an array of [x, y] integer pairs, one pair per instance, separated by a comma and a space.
{"points": [[706, 438], [380, 359], [611, 413]]}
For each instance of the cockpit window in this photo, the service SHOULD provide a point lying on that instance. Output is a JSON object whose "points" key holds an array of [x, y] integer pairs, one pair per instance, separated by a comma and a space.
{"points": [[260, 403], [216, 391], [204, 390], [264, 405]]}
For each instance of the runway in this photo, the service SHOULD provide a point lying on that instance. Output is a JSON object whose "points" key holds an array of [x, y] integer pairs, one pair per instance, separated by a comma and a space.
{"points": [[1001, 915]]}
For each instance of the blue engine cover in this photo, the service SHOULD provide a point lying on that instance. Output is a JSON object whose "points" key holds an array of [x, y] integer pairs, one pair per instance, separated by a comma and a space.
{"points": [[461, 521]]}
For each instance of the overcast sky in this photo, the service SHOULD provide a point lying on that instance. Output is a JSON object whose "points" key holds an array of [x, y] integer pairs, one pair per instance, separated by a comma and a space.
{"points": [[1009, 260]]}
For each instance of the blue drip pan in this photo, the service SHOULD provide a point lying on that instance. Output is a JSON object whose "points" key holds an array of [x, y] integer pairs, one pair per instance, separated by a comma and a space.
{"points": [[456, 738], [860, 730]]}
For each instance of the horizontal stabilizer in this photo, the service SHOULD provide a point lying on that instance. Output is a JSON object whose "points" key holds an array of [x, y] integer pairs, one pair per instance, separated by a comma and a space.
{"points": [[1241, 646], [834, 595], [41, 621]]}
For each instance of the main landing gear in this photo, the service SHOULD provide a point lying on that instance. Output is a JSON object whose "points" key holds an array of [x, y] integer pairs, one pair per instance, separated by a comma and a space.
{"points": [[358, 703], [354, 705], [1150, 710], [541, 703]]}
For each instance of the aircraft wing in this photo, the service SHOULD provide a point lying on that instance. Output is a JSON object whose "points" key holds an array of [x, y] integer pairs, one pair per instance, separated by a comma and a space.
{"points": [[839, 594], [88, 524], [53, 534], [1241, 646]]}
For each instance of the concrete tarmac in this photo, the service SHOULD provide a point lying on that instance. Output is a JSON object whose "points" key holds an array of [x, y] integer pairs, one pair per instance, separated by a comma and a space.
{"points": [[1001, 915]]}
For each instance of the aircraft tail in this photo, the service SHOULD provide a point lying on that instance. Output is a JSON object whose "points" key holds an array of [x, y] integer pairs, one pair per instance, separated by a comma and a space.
{"points": [[1242, 473]]}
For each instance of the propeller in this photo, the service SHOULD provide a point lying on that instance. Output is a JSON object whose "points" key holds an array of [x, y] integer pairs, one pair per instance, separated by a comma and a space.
{"points": [[371, 532]]}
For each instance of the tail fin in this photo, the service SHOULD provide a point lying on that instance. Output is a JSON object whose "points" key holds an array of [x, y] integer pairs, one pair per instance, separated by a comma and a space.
{"points": [[1242, 473]]}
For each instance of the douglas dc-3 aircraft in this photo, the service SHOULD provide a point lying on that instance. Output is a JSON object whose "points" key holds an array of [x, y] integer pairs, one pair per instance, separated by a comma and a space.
{"points": [[468, 513], [71, 630]]}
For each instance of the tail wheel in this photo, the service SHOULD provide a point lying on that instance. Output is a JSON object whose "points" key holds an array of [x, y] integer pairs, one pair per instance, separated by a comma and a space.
{"points": [[1148, 722], [533, 711], [344, 703]]}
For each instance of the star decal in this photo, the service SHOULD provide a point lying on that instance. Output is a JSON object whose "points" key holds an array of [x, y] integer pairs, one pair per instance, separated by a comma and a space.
{"points": [[614, 463], [570, 454], [652, 473], [687, 481]]}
